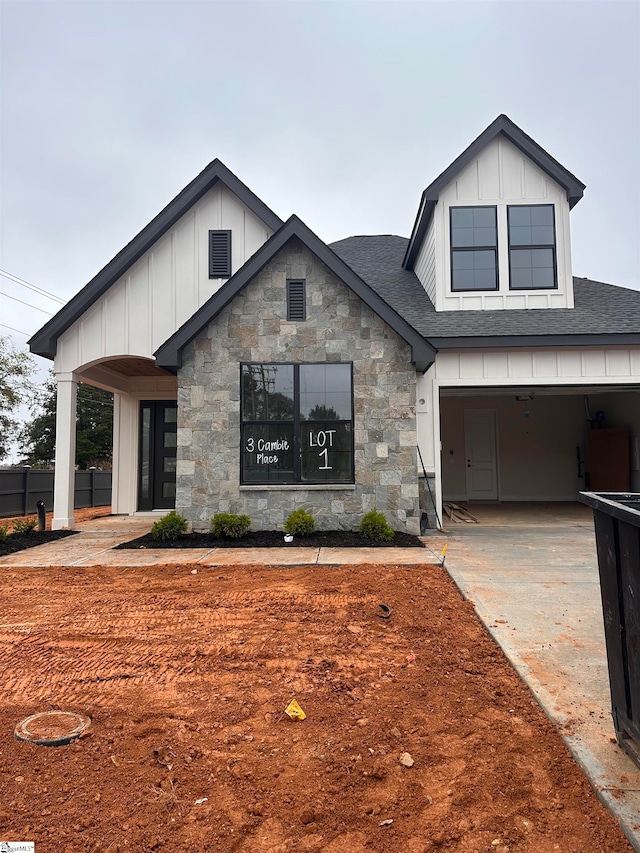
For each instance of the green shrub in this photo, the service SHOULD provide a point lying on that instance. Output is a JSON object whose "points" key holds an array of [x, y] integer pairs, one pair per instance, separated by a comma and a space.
{"points": [[169, 528], [300, 523], [24, 526], [4, 530], [374, 526], [226, 525]]}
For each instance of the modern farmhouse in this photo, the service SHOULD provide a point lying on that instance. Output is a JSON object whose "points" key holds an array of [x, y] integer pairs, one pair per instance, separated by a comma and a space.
{"points": [[257, 369]]}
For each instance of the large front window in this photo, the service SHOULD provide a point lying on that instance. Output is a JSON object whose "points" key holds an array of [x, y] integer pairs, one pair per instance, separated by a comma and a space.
{"points": [[474, 249], [532, 247], [297, 423]]}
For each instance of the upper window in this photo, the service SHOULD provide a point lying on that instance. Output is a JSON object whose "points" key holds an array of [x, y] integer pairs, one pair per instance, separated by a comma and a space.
{"points": [[297, 423], [219, 254], [474, 248], [532, 247]]}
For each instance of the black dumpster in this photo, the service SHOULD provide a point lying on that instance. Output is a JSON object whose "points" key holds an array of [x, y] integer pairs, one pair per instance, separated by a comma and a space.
{"points": [[617, 524]]}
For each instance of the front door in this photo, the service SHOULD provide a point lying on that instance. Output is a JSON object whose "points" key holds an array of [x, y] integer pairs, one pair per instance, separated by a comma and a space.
{"points": [[480, 454], [158, 445]]}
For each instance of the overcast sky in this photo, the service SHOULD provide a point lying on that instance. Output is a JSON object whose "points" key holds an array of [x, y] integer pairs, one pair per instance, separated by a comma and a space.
{"points": [[340, 112]]}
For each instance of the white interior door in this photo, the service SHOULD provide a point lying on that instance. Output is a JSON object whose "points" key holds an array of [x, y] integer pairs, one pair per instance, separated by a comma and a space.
{"points": [[481, 454]]}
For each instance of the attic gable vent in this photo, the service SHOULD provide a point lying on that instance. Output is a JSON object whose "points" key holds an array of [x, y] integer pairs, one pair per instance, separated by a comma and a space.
{"points": [[296, 300], [219, 254]]}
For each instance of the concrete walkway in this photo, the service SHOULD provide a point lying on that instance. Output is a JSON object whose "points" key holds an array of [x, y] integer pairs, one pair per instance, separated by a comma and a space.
{"points": [[531, 572], [93, 546]]}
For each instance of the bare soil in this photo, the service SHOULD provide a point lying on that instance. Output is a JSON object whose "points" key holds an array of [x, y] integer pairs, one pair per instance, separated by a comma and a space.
{"points": [[186, 672], [78, 514]]}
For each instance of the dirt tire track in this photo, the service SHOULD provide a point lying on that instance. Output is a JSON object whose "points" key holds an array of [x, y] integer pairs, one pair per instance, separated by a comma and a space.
{"points": [[186, 678]]}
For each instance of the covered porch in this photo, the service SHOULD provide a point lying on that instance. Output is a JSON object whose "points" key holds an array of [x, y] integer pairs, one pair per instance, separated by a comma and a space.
{"points": [[144, 435]]}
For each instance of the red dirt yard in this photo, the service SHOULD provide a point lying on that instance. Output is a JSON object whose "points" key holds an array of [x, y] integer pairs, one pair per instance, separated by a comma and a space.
{"points": [[79, 515], [186, 672]]}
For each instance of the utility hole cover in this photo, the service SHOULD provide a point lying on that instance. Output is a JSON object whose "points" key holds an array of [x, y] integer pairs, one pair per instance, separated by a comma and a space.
{"points": [[52, 728]]}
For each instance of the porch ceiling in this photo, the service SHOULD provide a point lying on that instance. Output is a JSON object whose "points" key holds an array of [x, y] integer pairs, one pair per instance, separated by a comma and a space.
{"points": [[134, 367], [130, 375]]}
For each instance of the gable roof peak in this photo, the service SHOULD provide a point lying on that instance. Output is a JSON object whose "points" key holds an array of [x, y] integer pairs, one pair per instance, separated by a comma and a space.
{"points": [[44, 342], [169, 354], [502, 125]]}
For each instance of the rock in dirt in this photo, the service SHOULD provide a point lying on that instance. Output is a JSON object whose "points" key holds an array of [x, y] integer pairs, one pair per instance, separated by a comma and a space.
{"points": [[406, 760], [378, 771]]}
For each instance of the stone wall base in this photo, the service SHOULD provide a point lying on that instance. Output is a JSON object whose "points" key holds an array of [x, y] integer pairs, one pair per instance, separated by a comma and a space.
{"points": [[333, 509]]}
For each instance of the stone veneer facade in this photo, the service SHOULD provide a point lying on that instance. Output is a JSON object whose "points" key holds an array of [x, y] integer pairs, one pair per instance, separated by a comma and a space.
{"points": [[339, 327]]}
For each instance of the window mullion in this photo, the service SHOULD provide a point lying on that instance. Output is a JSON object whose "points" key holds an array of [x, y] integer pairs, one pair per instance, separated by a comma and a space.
{"points": [[297, 436]]}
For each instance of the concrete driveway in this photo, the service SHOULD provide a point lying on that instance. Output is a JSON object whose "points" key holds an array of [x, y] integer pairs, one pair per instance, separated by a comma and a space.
{"points": [[531, 571]]}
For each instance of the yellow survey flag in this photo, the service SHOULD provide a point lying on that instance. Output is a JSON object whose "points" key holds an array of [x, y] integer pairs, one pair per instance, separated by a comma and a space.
{"points": [[294, 711]]}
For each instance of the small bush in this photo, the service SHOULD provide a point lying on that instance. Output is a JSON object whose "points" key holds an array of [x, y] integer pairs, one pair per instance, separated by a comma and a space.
{"points": [[24, 526], [4, 530], [226, 525], [374, 526], [169, 528], [300, 523]]}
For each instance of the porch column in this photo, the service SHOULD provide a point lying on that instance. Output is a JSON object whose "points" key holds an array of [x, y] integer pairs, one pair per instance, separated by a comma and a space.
{"points": [[125, 454], [429, 441], [65, 462]]}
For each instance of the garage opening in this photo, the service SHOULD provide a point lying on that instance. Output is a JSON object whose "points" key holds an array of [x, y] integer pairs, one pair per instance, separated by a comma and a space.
{"points": [[538, 444]]}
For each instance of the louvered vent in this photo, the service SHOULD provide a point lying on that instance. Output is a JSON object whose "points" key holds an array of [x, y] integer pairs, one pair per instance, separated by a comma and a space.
{"points": [[219, 254], [296, 302]]}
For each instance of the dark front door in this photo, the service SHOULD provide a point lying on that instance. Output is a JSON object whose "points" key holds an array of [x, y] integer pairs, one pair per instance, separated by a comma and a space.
{"points": [[158, 444]]}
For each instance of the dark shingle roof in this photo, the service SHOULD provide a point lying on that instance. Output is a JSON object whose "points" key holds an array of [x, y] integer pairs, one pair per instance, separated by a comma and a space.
{"points": [[600, 309]]}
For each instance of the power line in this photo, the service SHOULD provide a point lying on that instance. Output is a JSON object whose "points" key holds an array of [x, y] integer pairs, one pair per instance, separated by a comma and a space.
{"points": [[26, 334], [98, 402], [32, 287], [28, 304]]}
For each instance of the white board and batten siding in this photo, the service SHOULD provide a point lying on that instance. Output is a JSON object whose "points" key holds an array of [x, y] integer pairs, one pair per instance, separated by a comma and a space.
{"points": [[547, 366], [499, 176], [164, 287], [425, 266]]}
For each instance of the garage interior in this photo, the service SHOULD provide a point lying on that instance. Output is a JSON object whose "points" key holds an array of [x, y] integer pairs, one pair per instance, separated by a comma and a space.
{"points": [[538, 444]]}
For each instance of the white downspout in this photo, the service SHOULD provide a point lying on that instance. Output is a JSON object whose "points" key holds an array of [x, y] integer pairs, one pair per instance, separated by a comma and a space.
{"points": [[437, 448]]}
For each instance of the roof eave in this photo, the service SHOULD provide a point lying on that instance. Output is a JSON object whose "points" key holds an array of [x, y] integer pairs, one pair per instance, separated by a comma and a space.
{"points": [[565, 340], [419, 230], [44, 342], [573, 187]]}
